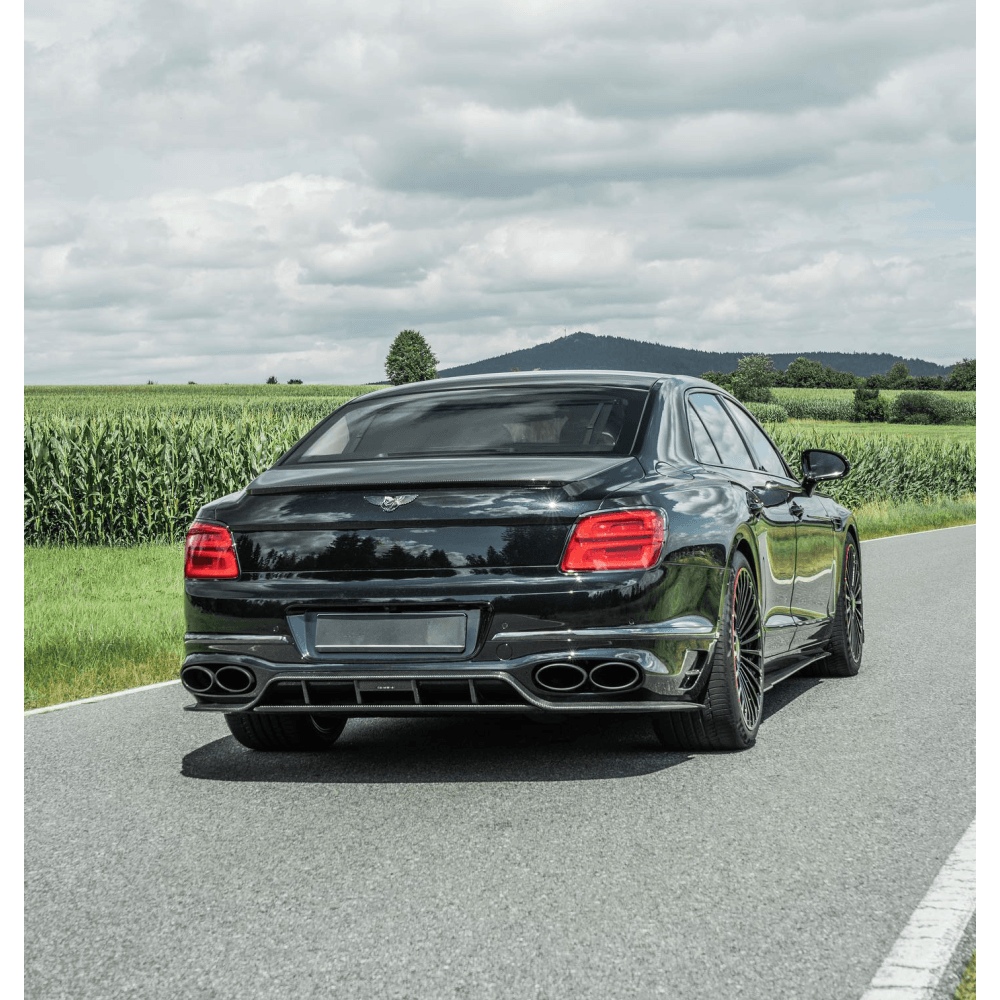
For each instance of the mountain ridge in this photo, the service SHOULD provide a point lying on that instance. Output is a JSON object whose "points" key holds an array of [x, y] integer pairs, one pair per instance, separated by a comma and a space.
{"points": [[582, 350]]}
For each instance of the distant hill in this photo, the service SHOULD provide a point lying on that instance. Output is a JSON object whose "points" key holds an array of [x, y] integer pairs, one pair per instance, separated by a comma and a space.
{"points": [[585, 350]]}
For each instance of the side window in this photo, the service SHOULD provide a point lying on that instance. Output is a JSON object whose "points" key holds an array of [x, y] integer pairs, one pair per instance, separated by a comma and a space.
{"points": [[722, 431], [766, 454], [703, 446]]}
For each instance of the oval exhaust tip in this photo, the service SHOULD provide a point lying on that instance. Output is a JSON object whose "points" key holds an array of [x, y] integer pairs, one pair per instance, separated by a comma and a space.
{"points": [[562, 677], [197, 680], [234, 680], [615, 676]]}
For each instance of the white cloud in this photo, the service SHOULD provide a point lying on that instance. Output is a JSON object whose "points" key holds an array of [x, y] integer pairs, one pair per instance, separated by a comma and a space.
{"points": [[255, 186]]}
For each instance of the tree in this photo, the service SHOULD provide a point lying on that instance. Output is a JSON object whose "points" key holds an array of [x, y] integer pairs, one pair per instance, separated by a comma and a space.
{"points": [[751, 382], [410, 359], [295, 381], [899, 376], [720, 379], [804, 373], [271, 380], [877, 381], [868, 408], [963, 375]]}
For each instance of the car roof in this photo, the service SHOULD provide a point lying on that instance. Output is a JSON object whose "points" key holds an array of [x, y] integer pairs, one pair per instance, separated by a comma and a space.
{"points": [[582, 377]]}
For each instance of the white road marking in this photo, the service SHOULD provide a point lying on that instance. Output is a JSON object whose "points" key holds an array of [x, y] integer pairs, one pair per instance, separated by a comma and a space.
{"points": [[919, 957], [98, 697]]}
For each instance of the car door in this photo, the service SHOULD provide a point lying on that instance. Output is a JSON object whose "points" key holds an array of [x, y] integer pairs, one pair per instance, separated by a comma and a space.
{"points": [[717, 441], [815, 563], [813, 597]]}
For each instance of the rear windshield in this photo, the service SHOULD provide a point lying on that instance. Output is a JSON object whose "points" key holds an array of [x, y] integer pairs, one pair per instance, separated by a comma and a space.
{"points": [[485, 421]]}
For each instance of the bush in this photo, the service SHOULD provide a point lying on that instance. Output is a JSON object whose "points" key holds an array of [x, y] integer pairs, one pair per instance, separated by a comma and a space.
{"points": [[295, 381], [768, 413], [271, 380], [964, 411], [921, 408], [867, 407]]}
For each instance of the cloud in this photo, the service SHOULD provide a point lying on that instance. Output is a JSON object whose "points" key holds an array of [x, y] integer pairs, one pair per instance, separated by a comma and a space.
{"points": [[241, 187]]}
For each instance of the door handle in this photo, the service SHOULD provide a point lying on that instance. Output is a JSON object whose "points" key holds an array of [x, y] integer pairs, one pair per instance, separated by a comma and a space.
{"points": [[796, 509]]}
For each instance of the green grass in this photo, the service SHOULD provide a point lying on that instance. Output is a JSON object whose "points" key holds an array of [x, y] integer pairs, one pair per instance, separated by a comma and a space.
{"points": [[780, 394], [962, 433], [100, 619], [967, 987], [876, 520], [75, 400]]}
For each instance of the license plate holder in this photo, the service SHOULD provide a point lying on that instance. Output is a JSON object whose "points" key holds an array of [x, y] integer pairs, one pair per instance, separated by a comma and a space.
{"points": [[443, 632]]}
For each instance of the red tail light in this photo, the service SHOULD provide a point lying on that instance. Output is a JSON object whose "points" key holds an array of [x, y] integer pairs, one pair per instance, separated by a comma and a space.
{"points": [[620, 539], [209, 553]]}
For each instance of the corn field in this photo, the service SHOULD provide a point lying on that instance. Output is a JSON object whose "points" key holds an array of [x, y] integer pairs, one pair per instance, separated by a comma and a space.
{"points": [[884, 468], [121, 478]]}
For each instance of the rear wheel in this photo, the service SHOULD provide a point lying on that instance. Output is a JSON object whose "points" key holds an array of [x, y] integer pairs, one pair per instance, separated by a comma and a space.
{"points": [[848, 639], [734, 701], [285, 732]]}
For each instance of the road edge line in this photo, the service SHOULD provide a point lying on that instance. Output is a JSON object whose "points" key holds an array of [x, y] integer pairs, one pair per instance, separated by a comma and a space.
{"points": [[98, 697], [913, 968]]}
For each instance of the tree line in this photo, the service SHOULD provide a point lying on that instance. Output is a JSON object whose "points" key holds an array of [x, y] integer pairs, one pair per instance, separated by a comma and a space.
{"points": [[757, 371]]}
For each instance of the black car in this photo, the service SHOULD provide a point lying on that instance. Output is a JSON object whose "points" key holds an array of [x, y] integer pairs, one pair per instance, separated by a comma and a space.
{"points": [[552, 542]]}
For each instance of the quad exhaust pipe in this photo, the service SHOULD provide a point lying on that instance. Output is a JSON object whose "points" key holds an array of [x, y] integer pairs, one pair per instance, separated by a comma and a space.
{"points": [[234, 680], [615, 676], [565, 678], [561, 677], [231, 679], [198, 680]]}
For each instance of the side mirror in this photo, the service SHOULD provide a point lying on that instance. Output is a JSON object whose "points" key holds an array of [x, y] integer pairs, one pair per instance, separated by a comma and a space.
{"points": [[818, 465]]}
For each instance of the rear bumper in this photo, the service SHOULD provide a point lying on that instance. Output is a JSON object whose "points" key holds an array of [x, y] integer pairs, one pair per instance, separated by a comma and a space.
{"points": [[664, 683]]}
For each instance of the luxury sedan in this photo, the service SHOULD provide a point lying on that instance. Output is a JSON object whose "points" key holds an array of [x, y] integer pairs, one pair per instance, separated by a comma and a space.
{"points": [[543, 544]]}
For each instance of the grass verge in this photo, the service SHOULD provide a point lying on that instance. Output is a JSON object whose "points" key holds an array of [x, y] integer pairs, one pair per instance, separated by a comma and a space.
{"points": [[967, 987], [100, 619], [876, 520]]}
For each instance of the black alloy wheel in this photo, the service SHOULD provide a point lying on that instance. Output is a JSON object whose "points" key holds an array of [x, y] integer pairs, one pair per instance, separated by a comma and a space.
{"points": [[734, 700], [848, 639], [286, 731]]}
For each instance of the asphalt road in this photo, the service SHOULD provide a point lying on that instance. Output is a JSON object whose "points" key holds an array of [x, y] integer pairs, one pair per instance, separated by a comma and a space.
{"points": [[447, 859]]}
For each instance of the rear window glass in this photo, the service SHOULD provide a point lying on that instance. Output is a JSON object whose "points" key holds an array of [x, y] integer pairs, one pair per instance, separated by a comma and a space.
{"points": [[487, 421]]}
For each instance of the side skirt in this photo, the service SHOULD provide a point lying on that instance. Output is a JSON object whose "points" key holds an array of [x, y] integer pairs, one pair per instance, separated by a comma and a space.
{"points": [[783, 673]]}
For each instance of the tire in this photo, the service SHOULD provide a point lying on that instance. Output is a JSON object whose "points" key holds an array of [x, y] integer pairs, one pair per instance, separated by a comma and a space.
{"points": [[285, 732], [848, 640], [734, 701]]}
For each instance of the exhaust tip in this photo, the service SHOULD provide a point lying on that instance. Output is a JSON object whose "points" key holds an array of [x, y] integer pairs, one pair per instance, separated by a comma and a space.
{"points": [[615, 676], [234, 680], [562, 677], [197, 680]]}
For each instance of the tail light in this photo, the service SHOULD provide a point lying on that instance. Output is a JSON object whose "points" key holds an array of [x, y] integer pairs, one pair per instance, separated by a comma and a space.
{"points": [[620, 539], [209, 553]]}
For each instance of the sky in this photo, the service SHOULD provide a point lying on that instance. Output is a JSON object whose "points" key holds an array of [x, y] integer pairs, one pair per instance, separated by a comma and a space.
{"points": [[221, 191]]}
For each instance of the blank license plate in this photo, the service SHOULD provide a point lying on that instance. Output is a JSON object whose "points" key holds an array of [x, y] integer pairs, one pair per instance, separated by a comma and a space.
{"points": [[444, 633]]}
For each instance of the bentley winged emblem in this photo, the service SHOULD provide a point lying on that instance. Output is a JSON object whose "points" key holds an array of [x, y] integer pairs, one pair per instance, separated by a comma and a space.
{"points": [[391, 503]]}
